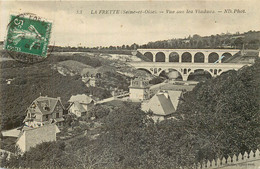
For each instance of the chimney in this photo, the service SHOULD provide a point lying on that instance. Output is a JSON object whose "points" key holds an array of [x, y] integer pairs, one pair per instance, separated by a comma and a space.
{"points": [[131, 82], [166, 94]]}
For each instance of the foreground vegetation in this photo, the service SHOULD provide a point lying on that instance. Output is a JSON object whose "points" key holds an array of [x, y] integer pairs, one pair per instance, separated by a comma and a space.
{"points": [[219, 117]]}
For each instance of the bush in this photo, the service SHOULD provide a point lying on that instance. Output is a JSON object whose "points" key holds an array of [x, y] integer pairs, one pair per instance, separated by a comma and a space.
{"points": [[156, 80], [99, 111]]}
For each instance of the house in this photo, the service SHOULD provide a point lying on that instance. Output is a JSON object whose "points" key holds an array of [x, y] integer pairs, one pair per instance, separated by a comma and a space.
{"points": [[139, 89], [30, 137], [44, 109], [91, 80], [8, 81], [163, 104], [117, 92], [80, 104], [186, 41]]}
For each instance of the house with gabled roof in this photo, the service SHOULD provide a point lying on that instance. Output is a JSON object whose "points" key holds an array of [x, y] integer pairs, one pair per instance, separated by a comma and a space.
{"points": [[163, 104], [44, 109], [80, 104]]}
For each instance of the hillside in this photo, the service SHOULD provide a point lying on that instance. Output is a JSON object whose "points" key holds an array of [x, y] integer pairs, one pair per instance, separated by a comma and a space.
{"points": [[58, 76], [27, 83], [72, 68], [222, 115], [250, 40], [113, 73]]}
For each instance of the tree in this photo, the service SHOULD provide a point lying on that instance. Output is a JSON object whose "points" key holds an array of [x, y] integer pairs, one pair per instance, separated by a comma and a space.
{"points": [[239, 42], [222, 112], [156, 80], [99, 111]]}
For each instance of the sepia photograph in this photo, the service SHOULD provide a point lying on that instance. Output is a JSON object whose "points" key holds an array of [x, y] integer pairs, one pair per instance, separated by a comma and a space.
{"points": [[130, 84]]}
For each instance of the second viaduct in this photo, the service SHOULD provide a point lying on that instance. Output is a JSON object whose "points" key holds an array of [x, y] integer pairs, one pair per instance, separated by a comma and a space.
{"points": [[187, 55]]}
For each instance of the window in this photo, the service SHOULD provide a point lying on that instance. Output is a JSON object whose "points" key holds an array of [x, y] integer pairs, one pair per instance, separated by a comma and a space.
{"points": [[33, 105], [57, 115], [31, 115], [47, 117]]}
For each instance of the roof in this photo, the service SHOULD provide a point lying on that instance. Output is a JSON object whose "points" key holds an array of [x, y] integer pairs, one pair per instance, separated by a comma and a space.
{"points": [[139, 87], [25, 128], [163, 103], [11, 133], [44, 105], [59, 119], [174, 97], [46, 125], [81, 98], [87, 79], [80, 107], [139, 83]]}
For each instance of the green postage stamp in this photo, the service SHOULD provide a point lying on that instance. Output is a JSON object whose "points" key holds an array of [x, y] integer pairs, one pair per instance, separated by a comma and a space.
{"points": [[28, 34]]}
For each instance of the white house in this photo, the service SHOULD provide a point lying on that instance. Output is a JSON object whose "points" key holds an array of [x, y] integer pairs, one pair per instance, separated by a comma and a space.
{"points": [[163, 104], [30, 137], [139, 89], [80, 104]]}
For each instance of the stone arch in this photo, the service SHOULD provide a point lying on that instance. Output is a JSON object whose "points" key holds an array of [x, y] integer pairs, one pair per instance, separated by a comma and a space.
{"points": [[215, 72], [185, 71], [171, 69], [155, 70], [199, 57], [161, 70], [149, 56], [160, 57], [213, 57], [199, 74], [146, 70], [174, 57], [211, 71], [226, 57], [186, 57]]}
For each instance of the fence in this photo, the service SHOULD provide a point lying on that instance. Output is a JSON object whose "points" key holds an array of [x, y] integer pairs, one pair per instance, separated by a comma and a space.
{"points": [[251, 160]]}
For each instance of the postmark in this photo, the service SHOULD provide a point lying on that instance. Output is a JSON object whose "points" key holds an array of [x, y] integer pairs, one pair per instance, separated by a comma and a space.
{"points": [[28, 37]]}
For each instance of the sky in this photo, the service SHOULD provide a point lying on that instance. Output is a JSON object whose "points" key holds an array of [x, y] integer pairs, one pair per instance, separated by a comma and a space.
{"points": [[83, 28]]}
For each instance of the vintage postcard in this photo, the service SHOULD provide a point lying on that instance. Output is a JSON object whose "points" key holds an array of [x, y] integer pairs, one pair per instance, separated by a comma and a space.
{"points": [[130, 84]]}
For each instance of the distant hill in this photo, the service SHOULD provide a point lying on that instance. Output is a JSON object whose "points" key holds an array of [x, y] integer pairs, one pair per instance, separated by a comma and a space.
{"points": [[250, 40], [71, 67]]}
